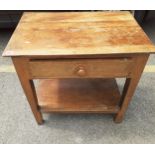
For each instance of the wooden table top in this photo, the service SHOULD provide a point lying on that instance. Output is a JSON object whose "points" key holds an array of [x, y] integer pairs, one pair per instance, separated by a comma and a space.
{"points": [[77, 33]]}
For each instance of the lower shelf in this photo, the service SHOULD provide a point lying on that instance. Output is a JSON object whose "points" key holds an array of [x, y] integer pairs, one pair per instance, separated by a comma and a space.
{"points": [[78, 95]]}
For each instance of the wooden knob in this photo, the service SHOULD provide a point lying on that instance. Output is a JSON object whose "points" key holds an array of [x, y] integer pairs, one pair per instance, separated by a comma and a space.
{"points": [[81, 71]]}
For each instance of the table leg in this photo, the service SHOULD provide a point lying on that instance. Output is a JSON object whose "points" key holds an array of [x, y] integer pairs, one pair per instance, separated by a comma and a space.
{"points": [[21, 66], [130, 86]]}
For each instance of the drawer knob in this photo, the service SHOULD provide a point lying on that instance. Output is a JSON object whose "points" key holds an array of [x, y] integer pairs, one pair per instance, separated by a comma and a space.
{"points": [[81, 71]]}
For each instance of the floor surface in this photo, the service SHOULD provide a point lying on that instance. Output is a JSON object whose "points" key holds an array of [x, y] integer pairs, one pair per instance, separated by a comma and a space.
{"points": [[17, 124]]}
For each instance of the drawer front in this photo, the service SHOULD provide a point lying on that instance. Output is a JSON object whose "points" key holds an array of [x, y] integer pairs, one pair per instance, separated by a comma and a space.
{"points": [[83, 68]]}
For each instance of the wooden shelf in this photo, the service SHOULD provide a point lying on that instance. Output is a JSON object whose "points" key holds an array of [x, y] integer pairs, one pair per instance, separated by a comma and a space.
{"points": [[78, 95]]}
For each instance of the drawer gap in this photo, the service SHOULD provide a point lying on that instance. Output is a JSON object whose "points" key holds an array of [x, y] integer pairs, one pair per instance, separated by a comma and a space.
{"points": [[71, 59]]}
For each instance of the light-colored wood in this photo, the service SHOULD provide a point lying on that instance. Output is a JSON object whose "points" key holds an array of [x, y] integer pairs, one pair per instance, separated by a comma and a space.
{"points": [[130, 86], [81, 71], [89, 68], [48, 17], [89, 33], [79, 45], [28, 86], [78, 95]]}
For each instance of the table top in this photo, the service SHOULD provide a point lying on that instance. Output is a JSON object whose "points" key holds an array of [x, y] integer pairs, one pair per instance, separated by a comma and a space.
{"points": [[77, 33]]}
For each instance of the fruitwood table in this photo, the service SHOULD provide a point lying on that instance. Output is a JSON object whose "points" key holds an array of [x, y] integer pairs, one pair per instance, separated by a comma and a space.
{"points": [[76, 56]]}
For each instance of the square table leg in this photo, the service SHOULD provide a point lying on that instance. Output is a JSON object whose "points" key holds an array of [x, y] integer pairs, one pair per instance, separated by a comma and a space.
{"points": [[130, 86], [28, 86], [21, 65]]}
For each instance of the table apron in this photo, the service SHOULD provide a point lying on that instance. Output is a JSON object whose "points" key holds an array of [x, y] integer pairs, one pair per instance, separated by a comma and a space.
{"points": [[81, 68]]}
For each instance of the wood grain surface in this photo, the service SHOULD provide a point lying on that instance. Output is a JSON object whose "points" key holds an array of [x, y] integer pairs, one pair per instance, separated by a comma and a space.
{"points": [[81, 68], [78, 95], [77, 33]]}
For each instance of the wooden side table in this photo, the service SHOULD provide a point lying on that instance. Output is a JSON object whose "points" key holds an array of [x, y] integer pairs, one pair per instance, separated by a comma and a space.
{"points": [[76, 57]]}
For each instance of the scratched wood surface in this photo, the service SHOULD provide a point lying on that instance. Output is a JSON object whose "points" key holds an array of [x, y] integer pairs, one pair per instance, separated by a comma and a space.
{"points": [[77, 33]]}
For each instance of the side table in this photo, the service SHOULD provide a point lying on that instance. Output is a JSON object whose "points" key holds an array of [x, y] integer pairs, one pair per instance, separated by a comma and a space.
{"points": [[76, 56]]}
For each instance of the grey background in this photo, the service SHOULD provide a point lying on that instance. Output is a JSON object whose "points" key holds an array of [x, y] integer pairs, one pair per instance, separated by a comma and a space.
{"points": [[17, 124]]}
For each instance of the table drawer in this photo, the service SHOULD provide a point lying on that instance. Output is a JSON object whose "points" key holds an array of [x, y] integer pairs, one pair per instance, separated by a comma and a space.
{"points": [[84, 68]]}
